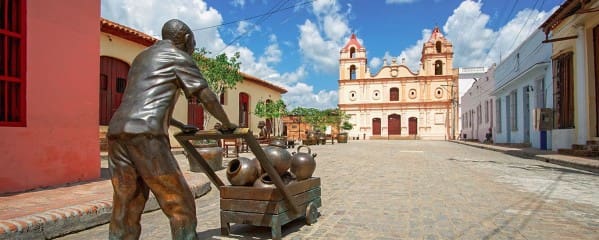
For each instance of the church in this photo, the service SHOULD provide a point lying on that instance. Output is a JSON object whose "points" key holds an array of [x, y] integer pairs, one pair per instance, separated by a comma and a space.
{"points": [[395, 102]]}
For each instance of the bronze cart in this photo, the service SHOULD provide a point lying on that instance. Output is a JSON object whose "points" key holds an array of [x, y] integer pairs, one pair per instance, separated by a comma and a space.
{"points": [[271, 207]]}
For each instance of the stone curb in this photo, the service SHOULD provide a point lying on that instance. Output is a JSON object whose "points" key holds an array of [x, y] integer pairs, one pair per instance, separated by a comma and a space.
{"points": [[62, 221], [549, 159]]}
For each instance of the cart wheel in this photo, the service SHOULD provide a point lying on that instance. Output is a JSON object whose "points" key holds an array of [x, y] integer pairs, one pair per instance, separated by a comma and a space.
{"points": [[311, 213]]}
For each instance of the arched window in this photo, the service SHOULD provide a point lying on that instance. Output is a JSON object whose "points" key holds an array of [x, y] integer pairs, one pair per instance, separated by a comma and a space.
{"points": [[352, 72], [394, 94], [438, 46], [438, 67], [244, 109], [352, 52]]}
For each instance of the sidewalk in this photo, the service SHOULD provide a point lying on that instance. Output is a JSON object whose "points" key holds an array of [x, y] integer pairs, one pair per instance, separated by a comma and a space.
{"points": [[52, 212], [582, 163]]}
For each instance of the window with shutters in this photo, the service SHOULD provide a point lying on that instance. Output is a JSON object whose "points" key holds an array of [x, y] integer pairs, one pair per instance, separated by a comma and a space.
{"points": [[12, 63], [498, 114], [563, 91]]}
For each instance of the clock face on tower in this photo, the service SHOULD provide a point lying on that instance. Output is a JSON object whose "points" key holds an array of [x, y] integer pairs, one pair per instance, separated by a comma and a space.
{"points": [[394, 73]]}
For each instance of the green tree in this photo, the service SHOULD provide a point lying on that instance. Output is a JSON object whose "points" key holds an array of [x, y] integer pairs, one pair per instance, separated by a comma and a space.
{"points": [[271, 110], [221, 73]]}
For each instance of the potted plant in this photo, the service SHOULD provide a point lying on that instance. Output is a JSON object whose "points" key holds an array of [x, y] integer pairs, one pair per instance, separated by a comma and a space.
{"points": [[273, 111], [342, 136]]}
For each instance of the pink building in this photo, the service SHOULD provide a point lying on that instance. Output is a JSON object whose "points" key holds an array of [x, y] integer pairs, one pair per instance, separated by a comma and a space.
{"points": [[48, 93]]}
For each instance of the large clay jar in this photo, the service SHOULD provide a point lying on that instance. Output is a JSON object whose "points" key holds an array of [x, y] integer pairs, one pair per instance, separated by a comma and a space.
{"points": [[279, 158], [243, 171], [342, 138], [211, 153], [303, 163]]}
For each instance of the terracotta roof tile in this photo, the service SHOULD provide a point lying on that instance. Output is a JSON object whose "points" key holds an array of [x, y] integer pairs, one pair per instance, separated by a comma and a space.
{"points": [[125, 32]]}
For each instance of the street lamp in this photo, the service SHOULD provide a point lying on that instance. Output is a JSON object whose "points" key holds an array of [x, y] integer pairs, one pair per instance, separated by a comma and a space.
{"points": [[453, 109]]}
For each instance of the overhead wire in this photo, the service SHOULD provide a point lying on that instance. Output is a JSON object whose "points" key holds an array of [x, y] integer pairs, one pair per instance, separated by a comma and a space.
{"points": [[255, 16], [508, 16], [276, 8]]}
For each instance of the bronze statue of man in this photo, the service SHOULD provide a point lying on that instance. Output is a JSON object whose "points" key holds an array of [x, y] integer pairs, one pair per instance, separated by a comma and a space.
{"points": [[138, 142]]}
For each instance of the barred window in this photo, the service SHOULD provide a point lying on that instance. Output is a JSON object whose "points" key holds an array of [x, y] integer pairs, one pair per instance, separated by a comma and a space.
{"points": [[12, 63]]}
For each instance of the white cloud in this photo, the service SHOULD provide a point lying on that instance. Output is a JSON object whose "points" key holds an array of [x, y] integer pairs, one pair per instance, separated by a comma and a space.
{"points": [[301, 95], [245, 27], [413, 53], [478, 45], [399, 1], [472, 43], [321, 41], [322, 54], [375, 63], [238, 3], [272, 53], [148, 16]]}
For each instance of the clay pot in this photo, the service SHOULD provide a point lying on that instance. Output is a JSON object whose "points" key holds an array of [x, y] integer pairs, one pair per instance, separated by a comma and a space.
{"points": [[279, 158], [303, 164], [264, 181], [243, 171], [342, 138], [278, 142]]}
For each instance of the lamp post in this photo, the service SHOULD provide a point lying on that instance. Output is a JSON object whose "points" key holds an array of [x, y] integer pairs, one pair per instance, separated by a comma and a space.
{"points": [[453, 109]]}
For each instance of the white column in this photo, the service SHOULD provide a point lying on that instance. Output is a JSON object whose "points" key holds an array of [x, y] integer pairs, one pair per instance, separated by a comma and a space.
{"points": [[582, 118]]}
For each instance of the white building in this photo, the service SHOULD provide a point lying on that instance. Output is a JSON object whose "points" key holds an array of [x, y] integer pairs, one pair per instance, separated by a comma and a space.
{"points": [[477, 108], [397, 102], [522, 83]]}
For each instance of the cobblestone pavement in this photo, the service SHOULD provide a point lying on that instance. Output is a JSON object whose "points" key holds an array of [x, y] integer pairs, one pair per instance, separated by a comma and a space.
{"points": [[422, 190]]}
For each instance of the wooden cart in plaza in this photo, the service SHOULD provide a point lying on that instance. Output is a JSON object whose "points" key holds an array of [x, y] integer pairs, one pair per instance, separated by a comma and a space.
{"points": [[270, 207]]}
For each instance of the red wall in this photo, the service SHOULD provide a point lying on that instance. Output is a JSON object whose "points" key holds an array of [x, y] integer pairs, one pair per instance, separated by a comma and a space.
{"points": [[60, 142]]}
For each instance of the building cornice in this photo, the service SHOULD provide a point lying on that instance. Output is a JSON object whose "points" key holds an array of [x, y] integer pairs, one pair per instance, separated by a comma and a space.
{"points": [[125, 32]]}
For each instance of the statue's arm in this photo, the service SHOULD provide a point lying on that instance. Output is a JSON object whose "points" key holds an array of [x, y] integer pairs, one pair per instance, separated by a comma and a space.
{"points": [[186, 128]]}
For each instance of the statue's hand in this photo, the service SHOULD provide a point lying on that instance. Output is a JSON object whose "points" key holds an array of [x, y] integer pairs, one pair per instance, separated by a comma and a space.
{"points": [[227, 128], [188, 128]]}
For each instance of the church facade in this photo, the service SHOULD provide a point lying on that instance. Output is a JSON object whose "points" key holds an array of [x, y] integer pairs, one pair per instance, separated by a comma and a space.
{"points": [[396, 102]]}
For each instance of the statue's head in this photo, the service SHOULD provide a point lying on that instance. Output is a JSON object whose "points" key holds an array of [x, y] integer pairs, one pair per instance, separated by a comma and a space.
{"points": [[180, 34]]}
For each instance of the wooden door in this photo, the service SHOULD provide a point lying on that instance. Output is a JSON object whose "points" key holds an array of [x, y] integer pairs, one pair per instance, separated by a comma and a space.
{"points": [[413, 126], [113, 80], [244, 104], [195, 113], [596, 52], [376, 126], [394, 121]]}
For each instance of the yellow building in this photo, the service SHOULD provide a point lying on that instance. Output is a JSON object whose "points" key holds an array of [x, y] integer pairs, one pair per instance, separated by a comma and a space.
{"points": [[119, 45], [395, 101], [573, 29]]}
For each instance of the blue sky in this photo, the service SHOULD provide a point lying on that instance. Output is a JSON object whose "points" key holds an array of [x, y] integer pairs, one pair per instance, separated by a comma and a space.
{"points": [[297, 45]]}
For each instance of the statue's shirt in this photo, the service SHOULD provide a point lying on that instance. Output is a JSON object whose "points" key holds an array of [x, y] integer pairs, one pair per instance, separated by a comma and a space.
{"points": [[152, 90]]}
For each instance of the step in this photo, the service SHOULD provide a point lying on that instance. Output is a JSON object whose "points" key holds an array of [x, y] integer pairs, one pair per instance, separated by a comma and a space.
{"points": [[578, 153], [592, 142], [579, 146]]}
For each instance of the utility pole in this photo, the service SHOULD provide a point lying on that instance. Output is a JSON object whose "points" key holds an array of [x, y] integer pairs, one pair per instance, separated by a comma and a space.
{"points": [[453, 109]]}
